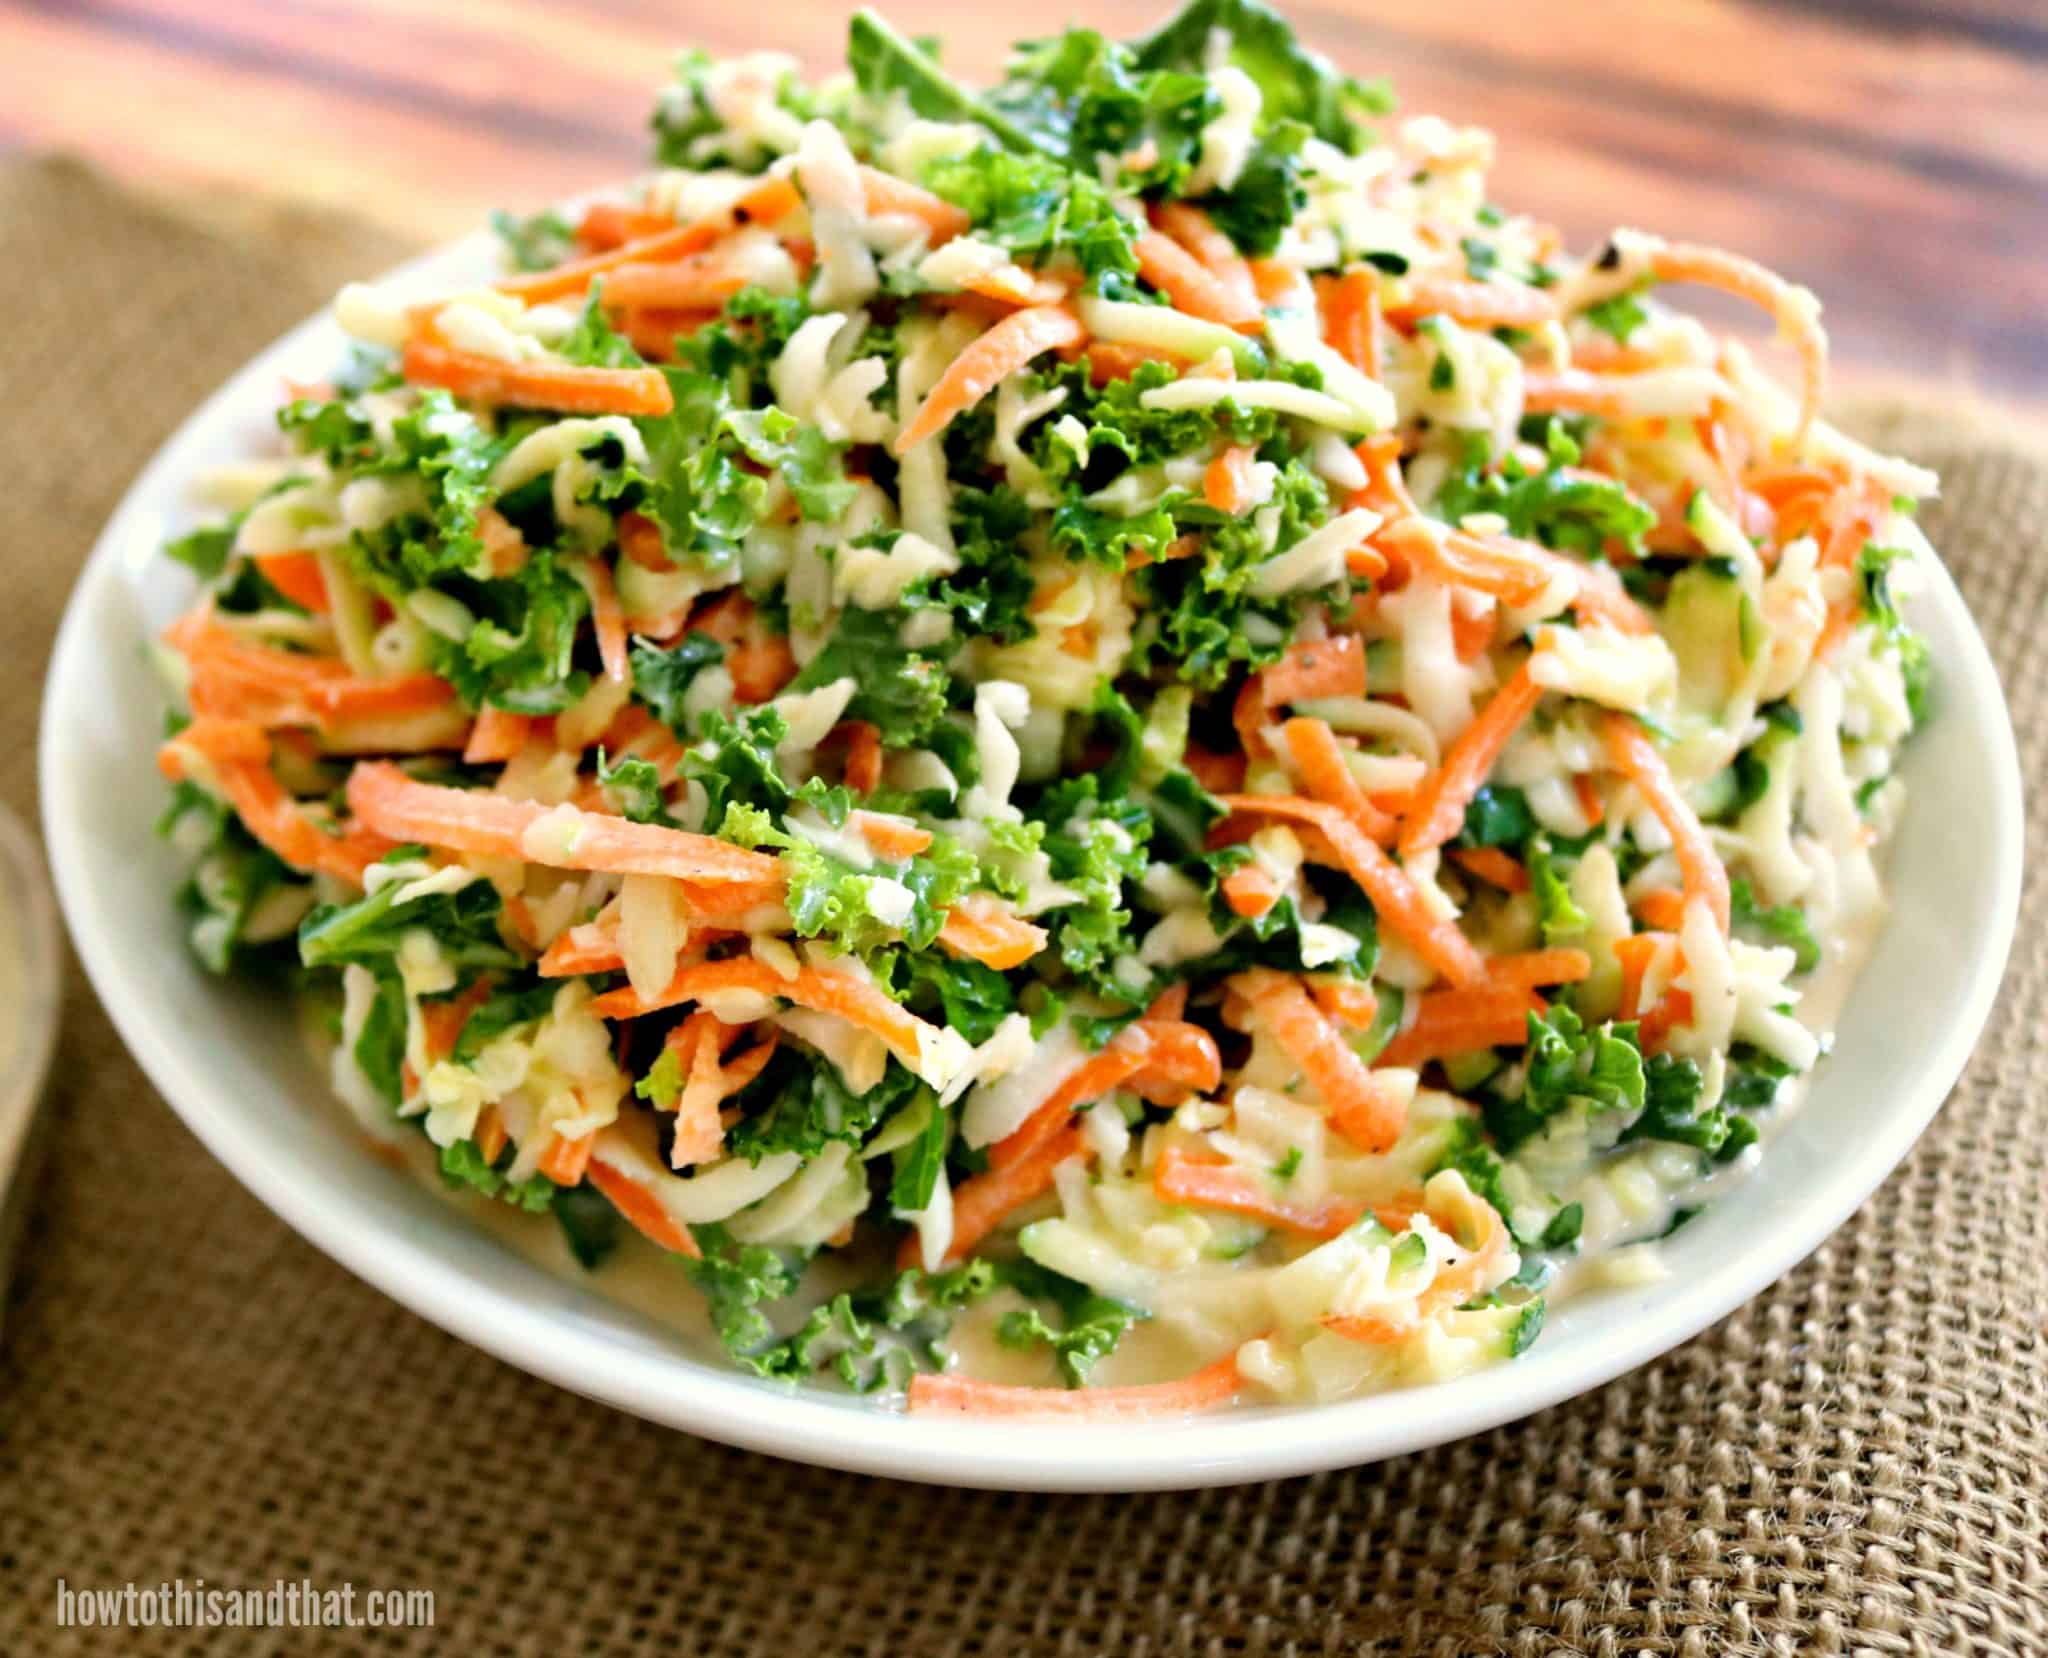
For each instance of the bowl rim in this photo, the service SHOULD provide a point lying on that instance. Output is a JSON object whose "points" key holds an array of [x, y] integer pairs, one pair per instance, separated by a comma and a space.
{"points": [[677, 1389]]}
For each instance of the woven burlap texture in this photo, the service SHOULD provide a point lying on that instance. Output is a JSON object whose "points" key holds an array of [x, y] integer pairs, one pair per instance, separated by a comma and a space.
{"points": [[1852, 1463]]}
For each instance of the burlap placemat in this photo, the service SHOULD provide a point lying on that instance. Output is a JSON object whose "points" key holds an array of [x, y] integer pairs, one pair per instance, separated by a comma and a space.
{"points": [[1854, 1462]]}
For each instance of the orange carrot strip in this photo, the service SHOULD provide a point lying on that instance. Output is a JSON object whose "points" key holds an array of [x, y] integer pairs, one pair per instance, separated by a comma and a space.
{"points": [[839, 994], [1491, 865], [1395, 897], [699, 1133], [1206, 1389], [1315, 668], [700, 282], [230, 754], [1361, 1107], [765, 203], [1507, 573], [984, 930], [885, 193], [1794, 309], [1218, 773], [1475, 304], [1227, 481], [1662, 908], [1281, 287], [297, 576], [863, 755], [1319, 757], [564, 386], [1588, 791], [1193, 287], [608, 620], [1637, 759], [608, 225], [490, 1135], [1118, 360], [1184, 1059], [384, 799], [1179, 1178], [496, 736], [642, 1209], [891, 837], [1438, 811], [565, 1162], [1351, 318], [980, 1203], [1348, 1001], [1100, 1075], [1195, 231], [1451, 1022], [977, 371], [1561, 964], [1250, 891]]}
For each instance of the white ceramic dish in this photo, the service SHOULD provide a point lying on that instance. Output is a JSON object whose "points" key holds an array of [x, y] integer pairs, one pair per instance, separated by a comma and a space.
{"points": [[230, 1061]]}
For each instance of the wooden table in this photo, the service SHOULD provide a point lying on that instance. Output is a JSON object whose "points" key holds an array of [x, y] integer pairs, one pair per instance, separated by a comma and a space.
{"points": [[1891, 153]]}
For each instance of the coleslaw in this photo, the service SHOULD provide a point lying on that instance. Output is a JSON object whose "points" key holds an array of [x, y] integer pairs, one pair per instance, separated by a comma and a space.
{"points": [[1096, 746]]}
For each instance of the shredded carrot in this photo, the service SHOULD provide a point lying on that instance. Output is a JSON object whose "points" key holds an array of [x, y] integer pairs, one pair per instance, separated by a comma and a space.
{"points": [[1662, 908], [985, 364], [1360, 1106], [565, 1162], [1281, 286], [490, 1135], [1351, 314], [234, 678], [981, 1202], [607, 225], [700, 282], [1179, 1178], [1250, 891], [1319, 758], [1438, 811], [1348, 1001], [1560, 964], [1118, 360], [1218, 773], [1587, 789], [839, 994], [569, 387], [770, 200], [1794, 309], [496, 737], [1197, 232], [1491, 865], [1448, 1022], [608, 620], [984, 930], [891, 837], [1227, 483], [641, 540], [1207, 1389], [1316, 668], [1100, 1075], [297, 576], [1395, 897], [385, 800], [1474, 304], [863, 755], [1193, 287], [1637, 759], [234, 755], [699, 1135], [1500, 569], [641, 1209], [885, 193], [1184, 1060]]}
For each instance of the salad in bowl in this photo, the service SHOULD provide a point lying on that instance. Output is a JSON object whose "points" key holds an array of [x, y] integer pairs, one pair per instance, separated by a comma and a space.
{"points": [[1092, 746]]}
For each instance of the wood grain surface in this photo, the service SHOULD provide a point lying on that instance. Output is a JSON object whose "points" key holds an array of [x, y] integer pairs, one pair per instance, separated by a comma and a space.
{"points": [[1891, 153]]}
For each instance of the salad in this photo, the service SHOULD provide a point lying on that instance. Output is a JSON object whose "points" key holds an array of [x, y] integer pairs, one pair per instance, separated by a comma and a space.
{"points": [[1095, 745]]}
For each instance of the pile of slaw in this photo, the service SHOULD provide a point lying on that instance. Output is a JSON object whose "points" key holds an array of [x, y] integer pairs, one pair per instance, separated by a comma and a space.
{"points": [[1096, 745]]}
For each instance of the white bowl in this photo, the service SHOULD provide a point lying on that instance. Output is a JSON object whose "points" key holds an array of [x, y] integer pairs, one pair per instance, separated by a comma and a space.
{"points": [[229, 1059]]}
